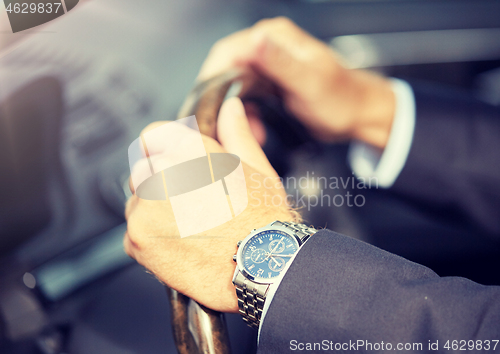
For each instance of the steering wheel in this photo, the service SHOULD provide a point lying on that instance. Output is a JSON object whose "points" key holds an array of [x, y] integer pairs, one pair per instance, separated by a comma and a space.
{"points": [[196, 328]]}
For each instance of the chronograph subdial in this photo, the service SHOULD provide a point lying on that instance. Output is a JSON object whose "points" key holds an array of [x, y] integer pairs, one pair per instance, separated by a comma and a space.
{"points": [[276, 264], [259, 255], [277, 246]]}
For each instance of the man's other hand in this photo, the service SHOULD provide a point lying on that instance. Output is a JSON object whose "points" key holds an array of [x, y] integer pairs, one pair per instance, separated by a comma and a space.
{"points": [[334, 102]]}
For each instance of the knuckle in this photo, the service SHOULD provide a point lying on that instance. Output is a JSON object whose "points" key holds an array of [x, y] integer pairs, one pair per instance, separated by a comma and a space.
{"points": [[130, 205], [265, 26], [262, 23], [128, 245], [269, 24], [153, 125], [133, 243], [283, 21], [219, 46]]}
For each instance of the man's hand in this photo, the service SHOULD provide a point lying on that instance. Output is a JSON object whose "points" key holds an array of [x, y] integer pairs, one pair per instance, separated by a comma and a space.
{"points": [[331, 100], [201, 266]]}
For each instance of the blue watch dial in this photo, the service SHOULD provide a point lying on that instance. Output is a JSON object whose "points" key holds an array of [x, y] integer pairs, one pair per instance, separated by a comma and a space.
{"points": [[265, 255]]}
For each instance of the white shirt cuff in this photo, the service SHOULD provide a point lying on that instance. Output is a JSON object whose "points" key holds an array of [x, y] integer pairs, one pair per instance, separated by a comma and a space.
{"points": [[368, 163]]}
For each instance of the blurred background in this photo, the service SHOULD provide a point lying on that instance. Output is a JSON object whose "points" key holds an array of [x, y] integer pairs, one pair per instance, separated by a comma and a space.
{"points": [[76, 91]]}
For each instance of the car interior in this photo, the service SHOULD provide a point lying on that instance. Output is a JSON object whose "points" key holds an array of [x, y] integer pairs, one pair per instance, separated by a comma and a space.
{"points": [[77, 91]]}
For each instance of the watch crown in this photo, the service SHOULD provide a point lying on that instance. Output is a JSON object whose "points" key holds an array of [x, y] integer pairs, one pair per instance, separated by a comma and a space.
{"points": [[254, 230], [234, 258], [239, 243]]}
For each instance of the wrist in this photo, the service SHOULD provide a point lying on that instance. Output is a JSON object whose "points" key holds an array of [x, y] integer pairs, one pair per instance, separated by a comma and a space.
{"points": [[375, 112], [257, 217]]}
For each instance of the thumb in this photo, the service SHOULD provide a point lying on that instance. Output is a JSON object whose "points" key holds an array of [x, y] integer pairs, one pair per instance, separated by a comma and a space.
{"points": [[233, 131]]}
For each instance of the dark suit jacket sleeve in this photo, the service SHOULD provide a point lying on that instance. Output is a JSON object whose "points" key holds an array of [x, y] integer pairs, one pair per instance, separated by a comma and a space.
{"points": [[340, 289], [453, 168]]}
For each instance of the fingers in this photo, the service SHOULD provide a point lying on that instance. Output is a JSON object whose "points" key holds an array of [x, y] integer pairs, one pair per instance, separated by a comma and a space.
{"points": [[244, 47], [276, 47], [236, 137], [283, 50]]}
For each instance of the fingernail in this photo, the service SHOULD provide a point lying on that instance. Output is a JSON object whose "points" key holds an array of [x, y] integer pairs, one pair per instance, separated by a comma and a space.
{"points": [[265, 45], [269, 49]]}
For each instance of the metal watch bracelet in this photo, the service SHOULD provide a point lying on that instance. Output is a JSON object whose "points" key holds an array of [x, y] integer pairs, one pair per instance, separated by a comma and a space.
{"points": [[252, 295]]}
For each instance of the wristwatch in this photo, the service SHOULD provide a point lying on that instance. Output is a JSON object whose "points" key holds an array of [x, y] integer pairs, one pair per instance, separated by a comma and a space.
{"points": [[260, 259]]}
